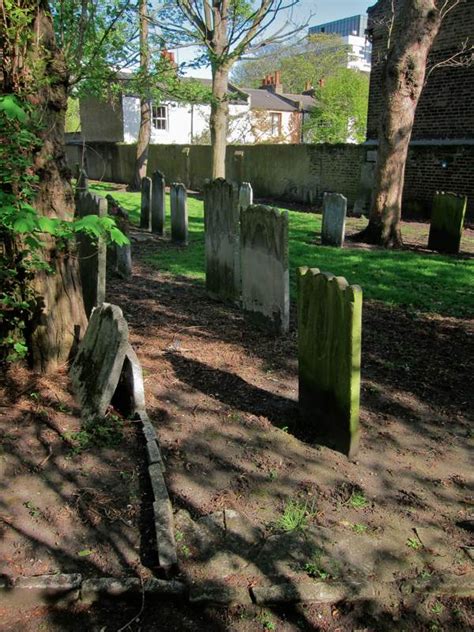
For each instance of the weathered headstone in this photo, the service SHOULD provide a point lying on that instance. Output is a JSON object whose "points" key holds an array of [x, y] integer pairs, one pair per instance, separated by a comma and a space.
{"points": [[158, 203], [119, 258], [334, 219], [447, 221], [145, 210], [264, 261], [106, 366], [239, 166], [179, 213], [92, 253], [222, 235], [82, 182], [245, 195], [329, 351], [187, 166]]}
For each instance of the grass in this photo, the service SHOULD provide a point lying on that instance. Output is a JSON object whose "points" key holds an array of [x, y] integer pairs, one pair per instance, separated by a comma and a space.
{"points": [[418, 282], [295, 517]]}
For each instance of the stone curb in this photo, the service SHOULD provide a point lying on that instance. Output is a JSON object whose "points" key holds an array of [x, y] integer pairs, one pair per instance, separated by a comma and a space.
{"points": [[162, 508], [311, 592], [63, 587]]}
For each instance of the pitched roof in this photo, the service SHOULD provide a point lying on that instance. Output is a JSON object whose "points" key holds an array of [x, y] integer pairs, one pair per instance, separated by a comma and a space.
{"points": [[262, 99]]}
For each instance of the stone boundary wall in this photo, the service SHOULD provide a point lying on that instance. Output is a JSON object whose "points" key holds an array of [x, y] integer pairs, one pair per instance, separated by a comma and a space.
{"points": [[298, 173]]}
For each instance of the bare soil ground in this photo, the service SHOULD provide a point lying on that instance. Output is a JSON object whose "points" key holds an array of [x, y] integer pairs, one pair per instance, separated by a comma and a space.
{"points": [[223, 398], [63, 511]]}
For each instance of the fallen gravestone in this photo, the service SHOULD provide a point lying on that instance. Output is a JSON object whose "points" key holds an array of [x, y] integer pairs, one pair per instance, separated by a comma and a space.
{"points": [[92, 252], [97, 367], [179, 213], [264, 261], [447, 221], [145, 209], [222, 235], [334, 219], [158, 203], [245, 195], [329, 350]]}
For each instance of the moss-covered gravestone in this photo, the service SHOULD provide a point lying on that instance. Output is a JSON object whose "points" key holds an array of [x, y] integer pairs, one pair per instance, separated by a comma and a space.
{"points": [[447, 220], [329, 346], [222, 240]]}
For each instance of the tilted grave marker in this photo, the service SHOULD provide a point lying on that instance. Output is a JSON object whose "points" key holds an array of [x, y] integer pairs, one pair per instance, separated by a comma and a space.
{"points": [[329, 352], [334, 219], [158, 203], [119, 258], [145, 209], [222, 235], [264, 260], [179, 213], [447, 221], [92, 253]]}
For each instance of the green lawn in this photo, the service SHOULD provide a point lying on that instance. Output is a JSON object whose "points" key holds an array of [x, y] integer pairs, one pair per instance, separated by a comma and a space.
{"points": [[419, 282]]}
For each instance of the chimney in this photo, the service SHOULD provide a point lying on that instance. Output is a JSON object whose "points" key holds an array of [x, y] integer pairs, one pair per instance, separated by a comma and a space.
{"points": [[272, 83], [169, 56]]}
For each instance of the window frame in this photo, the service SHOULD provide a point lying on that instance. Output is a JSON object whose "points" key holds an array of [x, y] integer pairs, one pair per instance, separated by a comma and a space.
{"points": [[155, 118]]}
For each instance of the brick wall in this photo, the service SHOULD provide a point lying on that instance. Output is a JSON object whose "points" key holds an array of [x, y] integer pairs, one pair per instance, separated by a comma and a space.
{"points": [[445, 109]]}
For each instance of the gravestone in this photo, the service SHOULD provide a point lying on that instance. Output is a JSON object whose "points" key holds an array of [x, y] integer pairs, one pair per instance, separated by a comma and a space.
{"points": [[222, 235], [334, 219], [82, 182], [329, 351], [145, 210], [447, 221], [92, 253], [187, 167], [104, 362], [245, 195], [179, 213], [239, 166], [119, 258], [158, 203], [264, 261]]}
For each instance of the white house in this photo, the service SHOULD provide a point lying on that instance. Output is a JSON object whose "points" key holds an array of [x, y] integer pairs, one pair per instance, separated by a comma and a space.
{"points": [[266, 114]]}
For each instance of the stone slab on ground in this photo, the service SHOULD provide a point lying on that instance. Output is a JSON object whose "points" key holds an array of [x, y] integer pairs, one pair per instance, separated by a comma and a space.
{"points": [[309, 592]]}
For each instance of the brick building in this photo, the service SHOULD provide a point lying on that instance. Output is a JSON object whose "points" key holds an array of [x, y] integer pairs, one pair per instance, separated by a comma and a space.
{"points": [[442, 148]]}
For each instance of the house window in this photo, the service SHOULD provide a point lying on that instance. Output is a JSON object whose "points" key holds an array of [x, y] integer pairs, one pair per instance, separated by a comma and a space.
{"points": [[159, 117], [275, 123]]}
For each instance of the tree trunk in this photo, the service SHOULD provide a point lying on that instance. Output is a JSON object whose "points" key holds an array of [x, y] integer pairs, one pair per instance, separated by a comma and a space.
{"points": [[219, 120], [415, 26], [143, 141], [60, 318]]}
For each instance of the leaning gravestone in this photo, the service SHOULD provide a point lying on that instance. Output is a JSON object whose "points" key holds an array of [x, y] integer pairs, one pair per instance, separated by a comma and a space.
{"points": [[158, 203], [92, 253], [447, 221], [104, 359], [264, 261], [179, 213], [222, 230], [334, 219], [329, 351], [145, 210], [245, 195]]}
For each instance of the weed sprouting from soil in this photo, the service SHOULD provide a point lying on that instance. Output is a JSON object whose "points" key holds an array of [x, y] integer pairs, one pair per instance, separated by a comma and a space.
{"points": [[295, 516], [105, 432]]}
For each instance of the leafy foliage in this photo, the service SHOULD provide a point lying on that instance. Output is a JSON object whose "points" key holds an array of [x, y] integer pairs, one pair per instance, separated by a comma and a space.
{"points": [[315, 58], [341, 109]]}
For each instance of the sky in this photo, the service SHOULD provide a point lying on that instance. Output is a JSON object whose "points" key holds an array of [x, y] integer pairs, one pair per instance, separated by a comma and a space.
{"points": [[322, 10]]}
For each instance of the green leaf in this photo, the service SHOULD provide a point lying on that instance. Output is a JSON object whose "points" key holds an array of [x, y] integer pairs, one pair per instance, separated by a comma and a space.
{"points": [[118, 237], [85, 553], [9, 105], [47, 225], [24, 224]]}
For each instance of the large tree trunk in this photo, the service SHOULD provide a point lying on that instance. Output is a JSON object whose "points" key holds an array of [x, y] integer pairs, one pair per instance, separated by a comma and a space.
{"points": [[144, 133], [219, 120], [60, 318], [415, 26]]}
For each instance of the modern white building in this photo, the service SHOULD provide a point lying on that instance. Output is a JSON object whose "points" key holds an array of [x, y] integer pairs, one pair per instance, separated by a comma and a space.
{"points": [[352, 31]]}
